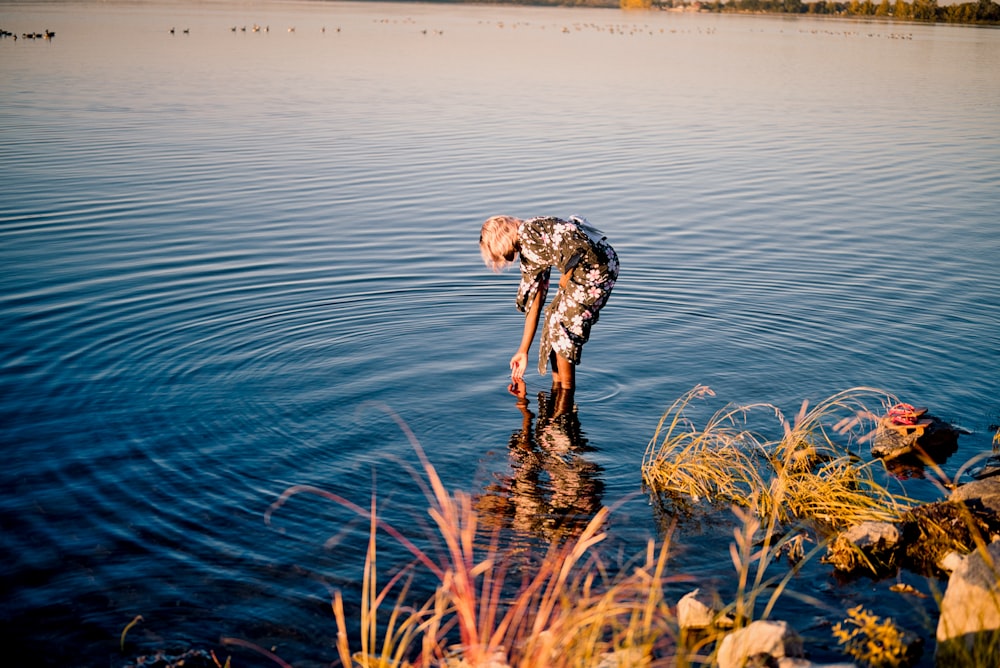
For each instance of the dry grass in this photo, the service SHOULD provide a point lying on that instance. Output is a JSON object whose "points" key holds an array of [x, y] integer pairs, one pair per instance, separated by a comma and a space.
{"points": [[876, 642], [570, 611], [808, 473]]}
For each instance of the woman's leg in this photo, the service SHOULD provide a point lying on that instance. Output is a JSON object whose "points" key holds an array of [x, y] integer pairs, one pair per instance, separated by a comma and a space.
{"points": [[554, 368], [563, 381], [563, 371]]}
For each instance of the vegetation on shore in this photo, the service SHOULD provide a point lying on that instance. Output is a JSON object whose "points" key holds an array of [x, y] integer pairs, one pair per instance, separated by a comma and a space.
{"points": [[984, 12], [564, 605], [809, 473], [494, 607]]}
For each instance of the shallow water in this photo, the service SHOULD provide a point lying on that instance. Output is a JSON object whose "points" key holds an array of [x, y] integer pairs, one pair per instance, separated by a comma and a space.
{"points": [[229, 258]]}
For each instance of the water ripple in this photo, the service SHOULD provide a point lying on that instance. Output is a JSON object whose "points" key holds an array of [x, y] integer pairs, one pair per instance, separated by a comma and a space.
{"points": [[222, 262]]}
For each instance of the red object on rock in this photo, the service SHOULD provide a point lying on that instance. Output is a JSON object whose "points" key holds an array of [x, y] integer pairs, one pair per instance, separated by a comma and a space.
{"points": [[903, 414]]}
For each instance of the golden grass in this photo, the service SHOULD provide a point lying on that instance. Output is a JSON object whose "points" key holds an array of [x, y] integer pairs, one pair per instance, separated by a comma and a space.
{"points": [[572, 610], [876, 642], [808, 473], [569, 611]]}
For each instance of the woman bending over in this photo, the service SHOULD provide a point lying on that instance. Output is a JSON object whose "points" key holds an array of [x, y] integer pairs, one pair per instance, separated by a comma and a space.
{"points": [[589, 268]]}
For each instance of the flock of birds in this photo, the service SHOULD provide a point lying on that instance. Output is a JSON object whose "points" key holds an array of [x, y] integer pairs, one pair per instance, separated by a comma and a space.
{"points": [[576, 27], [620, 29], [613, 29], [48, 34], [855, 33], [254, 28]]}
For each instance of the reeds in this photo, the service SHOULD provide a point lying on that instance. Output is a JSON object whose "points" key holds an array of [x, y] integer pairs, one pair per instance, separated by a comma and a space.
{"points": [[571, 609], [808, 473]]}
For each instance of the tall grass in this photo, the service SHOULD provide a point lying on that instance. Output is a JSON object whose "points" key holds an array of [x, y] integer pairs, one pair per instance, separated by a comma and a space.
{"points": [[571, 610], [809, 472], [806, 477]]}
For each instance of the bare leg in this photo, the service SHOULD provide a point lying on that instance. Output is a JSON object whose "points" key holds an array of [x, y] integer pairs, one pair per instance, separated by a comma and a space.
{"points": [[554, 368], [566, 373], [563, 384]]}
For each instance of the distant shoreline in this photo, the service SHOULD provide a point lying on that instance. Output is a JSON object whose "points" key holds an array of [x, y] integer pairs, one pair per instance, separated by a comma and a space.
{"points": [[984, 12]]}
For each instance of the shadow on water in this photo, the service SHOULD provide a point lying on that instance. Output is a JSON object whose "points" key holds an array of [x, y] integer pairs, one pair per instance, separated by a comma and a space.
{"points": [[552, 490]]}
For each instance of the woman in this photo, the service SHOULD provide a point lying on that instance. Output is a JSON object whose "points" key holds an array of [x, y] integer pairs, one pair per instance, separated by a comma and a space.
{"points": [[589, 268]]}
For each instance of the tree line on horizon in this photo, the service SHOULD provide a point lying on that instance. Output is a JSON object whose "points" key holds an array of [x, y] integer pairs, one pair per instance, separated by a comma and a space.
{"points": [[983, 11], [979, 12]]}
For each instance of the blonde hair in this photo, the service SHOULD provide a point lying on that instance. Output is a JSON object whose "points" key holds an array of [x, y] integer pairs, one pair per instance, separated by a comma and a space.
{"points": [[498, 236]]}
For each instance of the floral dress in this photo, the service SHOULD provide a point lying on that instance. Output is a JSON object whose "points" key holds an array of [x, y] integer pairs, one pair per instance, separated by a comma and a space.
{"points": [[571, 246]]}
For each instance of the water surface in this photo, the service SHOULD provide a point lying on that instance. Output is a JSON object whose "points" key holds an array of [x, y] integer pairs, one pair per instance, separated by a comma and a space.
{"points": [[227, 257]]}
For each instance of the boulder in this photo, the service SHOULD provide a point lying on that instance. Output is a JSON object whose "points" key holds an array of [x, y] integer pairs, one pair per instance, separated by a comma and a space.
{"points": [[762, 640], [980, 495], [989, 468], [698, 610], [633, 657], [968, 630], [928, 437], [869, 546]]}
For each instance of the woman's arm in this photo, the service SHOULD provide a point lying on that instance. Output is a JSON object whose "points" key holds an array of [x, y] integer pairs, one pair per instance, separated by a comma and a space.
{"points": [[519, 362]]}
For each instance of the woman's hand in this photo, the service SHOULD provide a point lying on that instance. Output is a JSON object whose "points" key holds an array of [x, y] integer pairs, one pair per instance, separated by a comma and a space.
{"points": [[518, 365]]}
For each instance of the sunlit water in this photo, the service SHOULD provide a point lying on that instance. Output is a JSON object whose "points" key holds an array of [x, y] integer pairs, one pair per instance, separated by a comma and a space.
{"points": [[231, 260]]}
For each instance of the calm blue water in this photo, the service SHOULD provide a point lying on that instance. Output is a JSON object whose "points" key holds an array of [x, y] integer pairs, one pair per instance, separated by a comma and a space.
{"points": [[225, 256]]}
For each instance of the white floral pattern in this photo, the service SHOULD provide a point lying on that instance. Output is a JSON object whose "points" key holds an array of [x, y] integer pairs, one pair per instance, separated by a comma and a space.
{"points": [[553, 242]]}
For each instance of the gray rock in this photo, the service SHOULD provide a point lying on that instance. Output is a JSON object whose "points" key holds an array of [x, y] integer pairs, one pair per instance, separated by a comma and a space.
{"points": [[873, 535], [866, 546], [933, 437], [776, 640], [626, 658], [698, 610], [789, 662], [981, 494], [970, 608]]}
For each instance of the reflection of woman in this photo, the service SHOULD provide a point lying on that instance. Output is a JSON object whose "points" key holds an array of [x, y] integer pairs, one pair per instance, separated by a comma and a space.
{"points": [[552, 490]]}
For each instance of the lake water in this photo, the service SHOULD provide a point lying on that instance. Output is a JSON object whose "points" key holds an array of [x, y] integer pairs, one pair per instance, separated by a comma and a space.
{"points": [[228, 258]]}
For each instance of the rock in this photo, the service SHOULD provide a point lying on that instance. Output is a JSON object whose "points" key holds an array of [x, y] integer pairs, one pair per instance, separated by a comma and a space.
{"points": [[869, 546], [930, 437], [774, 640], [951, 562], [989, 468], [697, 610], [982, 495], [968, 631], [632, 657]]}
